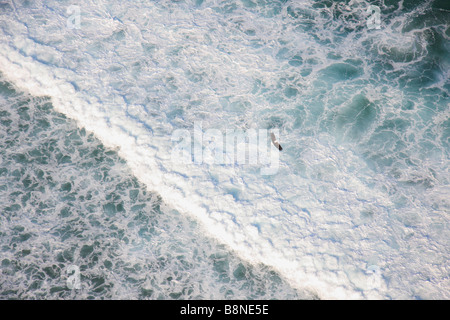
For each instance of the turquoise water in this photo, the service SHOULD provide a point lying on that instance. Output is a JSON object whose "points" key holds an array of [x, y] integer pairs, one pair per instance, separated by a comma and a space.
{"points": [[68, 200], [359, 206]]}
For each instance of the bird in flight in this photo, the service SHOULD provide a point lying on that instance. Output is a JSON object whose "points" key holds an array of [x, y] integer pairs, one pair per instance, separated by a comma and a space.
{"points": [[275, 142]]}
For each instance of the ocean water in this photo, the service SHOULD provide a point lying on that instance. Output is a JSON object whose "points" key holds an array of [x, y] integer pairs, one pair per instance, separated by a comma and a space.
{"points": [[92, 93]]}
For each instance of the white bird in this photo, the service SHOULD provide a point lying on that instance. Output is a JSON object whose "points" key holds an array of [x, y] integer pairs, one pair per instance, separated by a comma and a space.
{"points": [[275, 142]]}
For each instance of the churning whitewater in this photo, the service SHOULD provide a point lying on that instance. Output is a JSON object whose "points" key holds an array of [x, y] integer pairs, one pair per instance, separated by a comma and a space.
{"points": [[94, 96]]}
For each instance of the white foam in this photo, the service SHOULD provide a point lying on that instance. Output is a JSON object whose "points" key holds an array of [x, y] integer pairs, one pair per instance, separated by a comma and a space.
{"points": [[306, 223]]}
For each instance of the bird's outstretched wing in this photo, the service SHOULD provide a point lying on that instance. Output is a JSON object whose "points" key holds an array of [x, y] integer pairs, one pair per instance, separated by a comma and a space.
{"points": [[275, 142]]}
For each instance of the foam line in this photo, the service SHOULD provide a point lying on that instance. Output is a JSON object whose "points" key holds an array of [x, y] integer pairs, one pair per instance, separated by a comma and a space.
{"points": [[326, 216]]}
